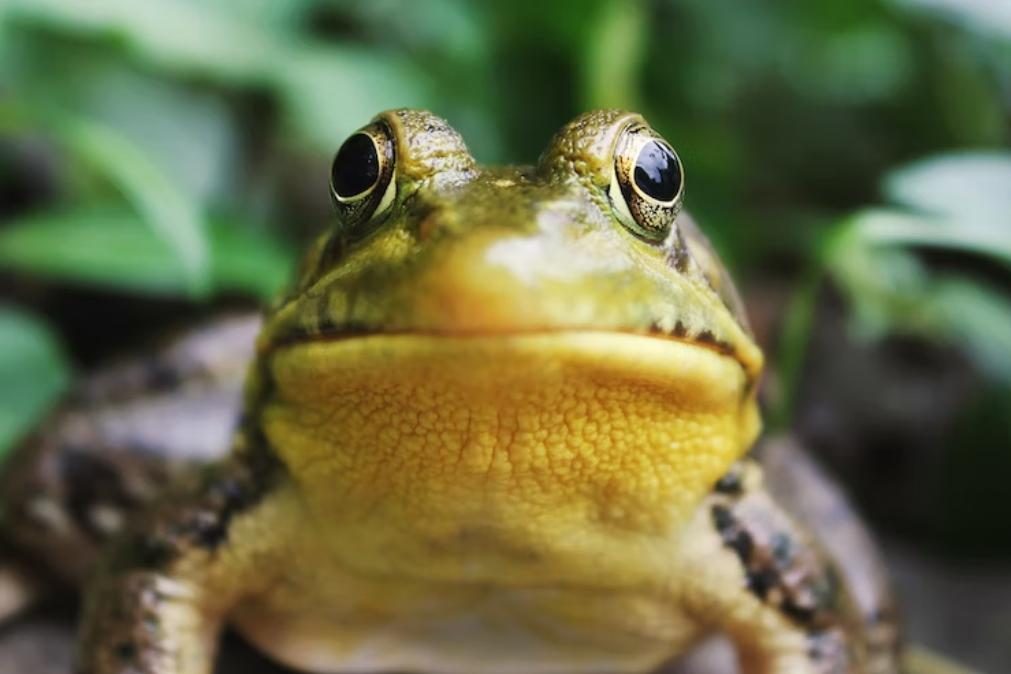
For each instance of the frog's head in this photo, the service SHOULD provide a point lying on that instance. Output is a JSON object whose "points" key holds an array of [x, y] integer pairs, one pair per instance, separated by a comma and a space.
{"points": [[547, 327], [428, 242]]}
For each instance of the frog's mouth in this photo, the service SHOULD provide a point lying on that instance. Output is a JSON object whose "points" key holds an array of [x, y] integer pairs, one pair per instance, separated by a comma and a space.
{"points": [[749, 360], [658, 354]]}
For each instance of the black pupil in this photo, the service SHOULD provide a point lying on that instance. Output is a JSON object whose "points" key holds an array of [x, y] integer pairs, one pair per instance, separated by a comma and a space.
{"points": [[356, 166], [657, 172]]}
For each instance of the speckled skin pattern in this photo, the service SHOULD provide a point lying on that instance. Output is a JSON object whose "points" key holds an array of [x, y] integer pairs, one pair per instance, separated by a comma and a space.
{"points": [[490, 429]]}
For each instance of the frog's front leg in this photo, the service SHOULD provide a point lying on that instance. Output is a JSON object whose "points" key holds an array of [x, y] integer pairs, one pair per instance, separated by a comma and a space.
{"points": [[160, 597], [149, 622], [753, 574]]}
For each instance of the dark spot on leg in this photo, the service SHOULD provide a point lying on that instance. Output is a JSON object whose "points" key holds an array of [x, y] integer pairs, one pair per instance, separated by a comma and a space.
{"points": [[799, 614], [733, 535], [126, 651], [761, 582], [142, 550], [209, 530], [90, 481], [230, 494], [731, 484]]}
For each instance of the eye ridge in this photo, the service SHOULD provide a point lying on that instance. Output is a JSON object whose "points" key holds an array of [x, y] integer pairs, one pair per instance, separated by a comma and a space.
{"points": [[356, 167]]}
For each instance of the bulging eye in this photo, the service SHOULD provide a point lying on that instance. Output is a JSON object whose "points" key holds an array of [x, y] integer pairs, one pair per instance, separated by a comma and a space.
{"points": [[362, 177], [647, 189]]}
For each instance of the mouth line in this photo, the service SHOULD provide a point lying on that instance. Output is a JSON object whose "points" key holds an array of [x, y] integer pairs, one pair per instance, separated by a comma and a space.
{"points": [[704, 340]]}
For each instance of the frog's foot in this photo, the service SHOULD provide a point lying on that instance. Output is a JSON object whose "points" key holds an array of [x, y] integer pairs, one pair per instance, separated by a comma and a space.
{"points": [[760, 579], [160, 596]]}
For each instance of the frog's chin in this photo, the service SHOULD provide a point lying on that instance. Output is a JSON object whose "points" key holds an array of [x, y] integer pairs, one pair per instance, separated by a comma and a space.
{"points": [[626, 426]]}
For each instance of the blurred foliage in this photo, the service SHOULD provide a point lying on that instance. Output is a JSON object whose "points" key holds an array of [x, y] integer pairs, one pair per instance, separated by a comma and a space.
{"points": [[959, 203], [111, 247], [178, 148], [32, 370]]}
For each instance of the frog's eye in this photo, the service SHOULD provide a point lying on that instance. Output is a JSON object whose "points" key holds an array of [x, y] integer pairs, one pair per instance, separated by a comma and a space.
{"points": [[647, 187], [362, 178]]}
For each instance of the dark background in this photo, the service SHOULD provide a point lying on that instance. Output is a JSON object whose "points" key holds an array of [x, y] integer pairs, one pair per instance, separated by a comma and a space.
{"points": [[161, 160]]}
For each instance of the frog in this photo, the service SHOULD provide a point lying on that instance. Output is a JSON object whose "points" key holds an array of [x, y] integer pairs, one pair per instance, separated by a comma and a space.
{"points": [[502, 421]]}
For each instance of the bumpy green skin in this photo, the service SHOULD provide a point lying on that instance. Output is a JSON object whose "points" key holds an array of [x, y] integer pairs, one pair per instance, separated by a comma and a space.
{"points": [[185, 565]]}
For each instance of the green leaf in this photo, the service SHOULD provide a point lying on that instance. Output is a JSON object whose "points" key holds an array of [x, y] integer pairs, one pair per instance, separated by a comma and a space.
{"points": [[878, 227], [891, 291], [327, 91], [791, 352], [162, 206], [103, 247], [33, 371], [452, 29], [178, 34], [965, 186], [615, 48], [110, 247], [859, 64], [991, 17], [249, 261], [979, 318], [958, 202], [189, 133]]}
